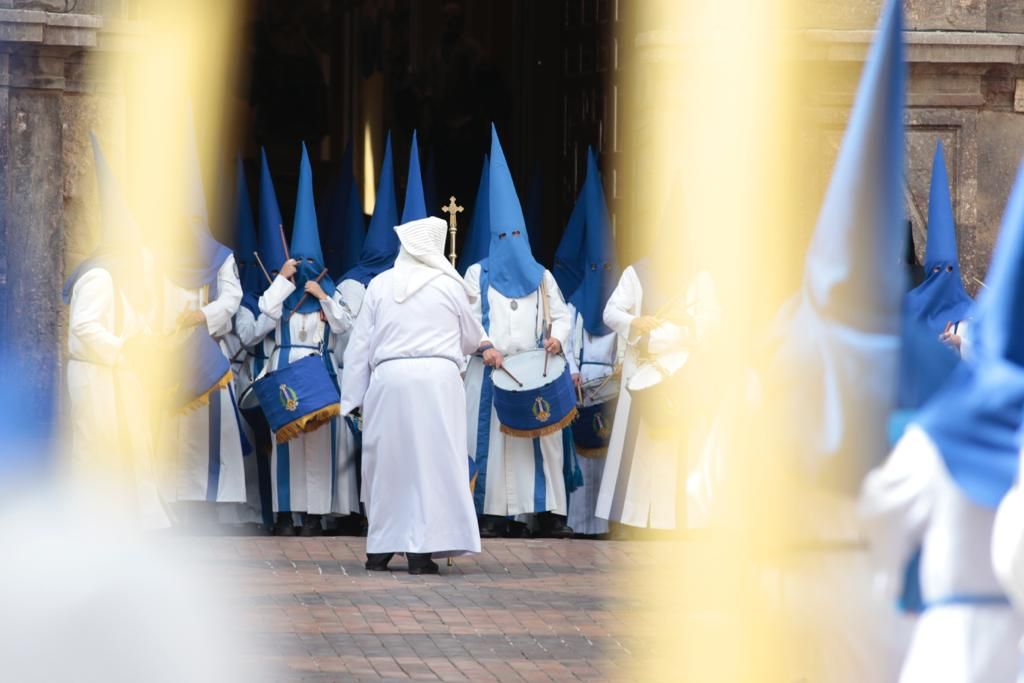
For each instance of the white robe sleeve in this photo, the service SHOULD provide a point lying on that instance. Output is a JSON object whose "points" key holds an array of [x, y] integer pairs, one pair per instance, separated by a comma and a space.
{"points": [[252, 330], [272, 301], [92, 302], [471, 333], [895, 504], [472, 278], [624, 305], [356, 379], [1008, 546], [561, 322], [221, 310], [338, 317], [570, 345], [349, 294], [963, 329]]}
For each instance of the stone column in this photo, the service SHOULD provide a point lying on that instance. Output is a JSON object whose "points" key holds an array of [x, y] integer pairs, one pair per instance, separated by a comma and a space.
{"points": [[36, 48]]}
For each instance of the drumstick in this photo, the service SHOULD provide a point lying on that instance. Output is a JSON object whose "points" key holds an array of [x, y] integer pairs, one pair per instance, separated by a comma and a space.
{"points": [[579, 393], [284, 242], [262, 267], [984, 286], [505, 370], [302, 299], [546, 354]]}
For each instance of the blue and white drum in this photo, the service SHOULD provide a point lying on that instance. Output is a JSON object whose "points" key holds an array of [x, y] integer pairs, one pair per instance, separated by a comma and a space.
{"points": [[593, 426], [299, 398], [544, 404], [206, 370], [654, 390]]}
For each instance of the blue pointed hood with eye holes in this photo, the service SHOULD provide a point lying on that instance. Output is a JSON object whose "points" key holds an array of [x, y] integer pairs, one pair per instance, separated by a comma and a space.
{"points": [[941, 298], [512, 270], [600, 268], [305, 247]]}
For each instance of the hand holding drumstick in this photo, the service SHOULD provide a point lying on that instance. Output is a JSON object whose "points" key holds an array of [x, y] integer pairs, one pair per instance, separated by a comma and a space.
{"points": [[950, 338]]}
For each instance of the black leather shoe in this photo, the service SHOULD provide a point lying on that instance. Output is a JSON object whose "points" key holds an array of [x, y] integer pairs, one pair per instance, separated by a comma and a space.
{"points": [[284, 526], [420, 563], [492, 526], [311, 526], [378, 562], [554, 526]]}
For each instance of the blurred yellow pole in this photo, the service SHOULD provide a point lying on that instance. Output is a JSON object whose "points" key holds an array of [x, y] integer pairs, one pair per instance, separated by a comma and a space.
{"points": [[720, 120]]}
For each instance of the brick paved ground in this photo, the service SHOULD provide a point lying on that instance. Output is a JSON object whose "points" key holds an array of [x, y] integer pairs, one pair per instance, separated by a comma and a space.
{"points": [[523, 610]]}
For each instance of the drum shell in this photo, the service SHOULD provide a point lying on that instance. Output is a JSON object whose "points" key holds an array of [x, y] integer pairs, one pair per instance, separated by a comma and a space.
{"points": [[658, 407], [206, 370], [537, 412], [299, 398], [592, 428], [251, 410]]}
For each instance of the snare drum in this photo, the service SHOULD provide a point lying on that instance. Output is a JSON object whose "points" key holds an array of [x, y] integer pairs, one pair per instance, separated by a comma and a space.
{"points": [[299, 398], [206, 370], [653, 390], [593, 426], [544, 404]]}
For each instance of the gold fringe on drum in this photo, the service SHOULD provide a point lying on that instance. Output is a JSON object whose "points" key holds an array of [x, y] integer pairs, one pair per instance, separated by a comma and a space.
{"points": [[307, 423], [542, 431], [204, 398]]}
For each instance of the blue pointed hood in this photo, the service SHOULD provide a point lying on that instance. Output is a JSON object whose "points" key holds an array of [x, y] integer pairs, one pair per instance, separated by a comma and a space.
{"points": [[941, 298], [334, 218], [119, 237], [975, 420], [245, 233], [203, 255], [271, 239], [415, 206], [568, 266], [837, 350], [305, 246], [478, 239], [381, 244], [600, 267], [512, 269]]}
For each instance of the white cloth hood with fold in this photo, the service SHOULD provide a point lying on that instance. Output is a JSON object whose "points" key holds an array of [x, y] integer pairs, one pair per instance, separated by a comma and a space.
{"points": [[421, 257]]}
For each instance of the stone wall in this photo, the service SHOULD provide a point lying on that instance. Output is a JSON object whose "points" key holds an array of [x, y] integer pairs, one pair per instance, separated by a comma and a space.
{"points": [[41, 123], [966, 88]]}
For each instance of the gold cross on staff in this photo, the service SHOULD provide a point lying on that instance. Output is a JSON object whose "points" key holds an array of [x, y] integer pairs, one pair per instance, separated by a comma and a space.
{"points": [[452, 210]]}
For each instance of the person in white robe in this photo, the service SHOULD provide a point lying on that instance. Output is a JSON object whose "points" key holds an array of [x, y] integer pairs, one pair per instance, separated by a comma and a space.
{"points": [[594, 352], [307, 322], [202, 445], [594, 361], [519, 304], [934, 501], [403, 364], [644, 464], [379, 249], [112, 446]]}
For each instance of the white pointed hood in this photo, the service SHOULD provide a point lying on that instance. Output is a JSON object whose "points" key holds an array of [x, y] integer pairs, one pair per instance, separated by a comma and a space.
{"points": [[421, 257]]}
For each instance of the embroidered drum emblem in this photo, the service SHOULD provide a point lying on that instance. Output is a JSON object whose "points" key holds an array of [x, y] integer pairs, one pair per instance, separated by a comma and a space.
{"points": [[289, 399], [541, 409]]}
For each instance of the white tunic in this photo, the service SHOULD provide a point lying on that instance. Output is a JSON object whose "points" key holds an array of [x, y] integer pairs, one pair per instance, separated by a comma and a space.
{"points": [[911, 502], [201, 472], [641, 479], [519, 475], [593, 358], [111, 439], [304, 469], [402, 368]]}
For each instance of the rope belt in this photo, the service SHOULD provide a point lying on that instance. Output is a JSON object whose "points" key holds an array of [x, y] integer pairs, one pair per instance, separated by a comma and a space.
{"points": [[967, 599], [388, 360]]}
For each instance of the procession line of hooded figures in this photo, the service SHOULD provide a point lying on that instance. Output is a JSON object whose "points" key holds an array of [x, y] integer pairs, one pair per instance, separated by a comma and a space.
{"points": [[269, 305], [930, 375]]}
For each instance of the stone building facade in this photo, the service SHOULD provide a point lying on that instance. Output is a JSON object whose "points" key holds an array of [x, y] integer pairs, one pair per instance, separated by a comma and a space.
{"points": [[966, 88]]}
